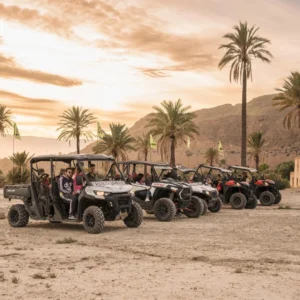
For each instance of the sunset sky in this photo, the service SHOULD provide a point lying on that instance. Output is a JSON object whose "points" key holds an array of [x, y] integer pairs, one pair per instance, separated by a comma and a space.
{"points": [[119, 58]]}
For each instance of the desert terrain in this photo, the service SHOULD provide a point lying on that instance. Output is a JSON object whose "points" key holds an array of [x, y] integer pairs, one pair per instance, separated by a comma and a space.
{"points": [[249, 254]]}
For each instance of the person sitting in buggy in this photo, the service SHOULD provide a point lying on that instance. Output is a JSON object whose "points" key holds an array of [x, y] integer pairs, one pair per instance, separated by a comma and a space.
{"points": [[67, 192]]}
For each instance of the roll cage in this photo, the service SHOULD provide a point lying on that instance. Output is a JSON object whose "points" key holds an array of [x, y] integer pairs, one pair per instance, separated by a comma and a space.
{"points": [[226, 174], [156, 169], [255, 174]]}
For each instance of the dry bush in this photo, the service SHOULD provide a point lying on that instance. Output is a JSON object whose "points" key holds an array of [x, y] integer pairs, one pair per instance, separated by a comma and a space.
{"points": [[39, 276], [66, 241], [15, 280]]}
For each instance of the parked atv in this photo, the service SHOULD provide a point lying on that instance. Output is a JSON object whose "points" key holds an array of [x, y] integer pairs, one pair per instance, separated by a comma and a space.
{"points": [[165, 198], [264, 189], [208, 194], [238, 194], [98, 200]]}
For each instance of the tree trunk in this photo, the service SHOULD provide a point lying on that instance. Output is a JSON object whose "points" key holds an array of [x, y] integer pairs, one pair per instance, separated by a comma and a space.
{"points": [[257, 162], [78, 144], [145, 167], [244, 119], [172, 160]]}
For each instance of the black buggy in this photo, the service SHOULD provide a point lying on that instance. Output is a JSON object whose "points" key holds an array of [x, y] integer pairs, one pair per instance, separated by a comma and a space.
{"points": [[162, 196], [102, 200], [208, 194], [264, 189], [238, 194]]}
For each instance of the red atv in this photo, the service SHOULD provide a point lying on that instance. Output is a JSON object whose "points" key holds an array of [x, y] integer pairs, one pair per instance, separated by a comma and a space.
{"points": [[238, 194], [264, 189]]}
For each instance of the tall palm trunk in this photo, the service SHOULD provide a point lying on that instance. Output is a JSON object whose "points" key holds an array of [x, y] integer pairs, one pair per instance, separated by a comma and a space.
{"points": [[78, 144], [256, 161], [172, 160], [145, 167], [244, 118]]}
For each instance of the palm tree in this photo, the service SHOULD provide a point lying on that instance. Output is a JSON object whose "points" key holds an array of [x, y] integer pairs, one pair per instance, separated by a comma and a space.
{"points": [[211, 155], [142, 146], [172, 123], [289, 97], [5, 119], [73, 124], [20, 159], [243, 47], [117, 143], [19, 173], [256, 143]]}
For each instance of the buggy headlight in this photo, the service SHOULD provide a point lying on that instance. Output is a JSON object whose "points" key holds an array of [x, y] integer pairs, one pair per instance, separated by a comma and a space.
{"points": [[266, 184], [100, 194], [174, 190], [207, 192]]}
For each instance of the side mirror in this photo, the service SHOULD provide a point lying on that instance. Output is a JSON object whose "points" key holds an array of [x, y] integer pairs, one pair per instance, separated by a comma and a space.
{"points": [[79, 180]]}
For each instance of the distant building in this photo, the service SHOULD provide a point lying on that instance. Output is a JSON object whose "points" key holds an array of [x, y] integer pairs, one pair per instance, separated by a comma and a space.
{"points": [[295, 176]]}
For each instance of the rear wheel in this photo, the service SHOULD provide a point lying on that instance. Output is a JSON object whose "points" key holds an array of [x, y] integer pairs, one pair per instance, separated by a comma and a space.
{"points": [[135, 218], [216, 206], [278, 198], [252, 203], [238, 201], [266, 198], [93, 220], [195, 209], [18, 216], [164, 210]]}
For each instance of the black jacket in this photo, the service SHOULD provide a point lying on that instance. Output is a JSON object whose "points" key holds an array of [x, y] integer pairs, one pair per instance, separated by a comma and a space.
{"points": [[66, 185]]}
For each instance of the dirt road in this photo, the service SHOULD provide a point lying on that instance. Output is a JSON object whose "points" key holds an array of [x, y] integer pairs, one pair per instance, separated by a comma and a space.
{"points": [[249, 254]]}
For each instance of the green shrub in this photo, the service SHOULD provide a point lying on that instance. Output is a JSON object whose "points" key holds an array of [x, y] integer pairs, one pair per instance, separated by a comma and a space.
{"points": [[18, 175], [280, 182], [284, 169], [263, 167]]}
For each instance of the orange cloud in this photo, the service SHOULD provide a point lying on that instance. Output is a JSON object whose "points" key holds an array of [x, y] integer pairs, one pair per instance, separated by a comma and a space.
{"points": [[10, 69], [130, 29], [33, 18]]}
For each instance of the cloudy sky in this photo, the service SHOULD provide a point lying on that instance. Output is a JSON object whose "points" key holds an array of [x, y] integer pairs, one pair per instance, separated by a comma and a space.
{"points": [[119, 58]]}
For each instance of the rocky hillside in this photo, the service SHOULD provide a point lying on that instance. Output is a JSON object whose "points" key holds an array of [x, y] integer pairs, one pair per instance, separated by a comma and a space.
{"points": [[224, 123]]}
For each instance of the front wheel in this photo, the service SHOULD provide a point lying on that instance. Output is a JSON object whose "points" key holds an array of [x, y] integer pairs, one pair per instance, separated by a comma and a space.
{"points": [[195, 209], [205, 205], [93, 220], [238, 201], [164, 210], [18, 216], [266, 198], [278, 198], [135, 218], [252, 203], [216, 206]]}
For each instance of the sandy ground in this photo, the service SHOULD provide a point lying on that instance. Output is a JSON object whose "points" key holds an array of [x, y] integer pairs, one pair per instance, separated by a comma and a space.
{"points": [[249, 254]]}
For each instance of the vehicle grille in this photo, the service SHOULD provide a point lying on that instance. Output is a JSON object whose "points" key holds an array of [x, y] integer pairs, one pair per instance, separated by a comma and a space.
{"points": [[123, 200], [186, 193]]}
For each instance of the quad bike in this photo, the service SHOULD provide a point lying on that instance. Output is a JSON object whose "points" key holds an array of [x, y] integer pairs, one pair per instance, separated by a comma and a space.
{"points": [[98, 201], [238, 194], [163, 197], [264, 189]]}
